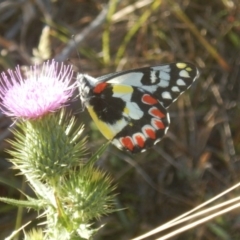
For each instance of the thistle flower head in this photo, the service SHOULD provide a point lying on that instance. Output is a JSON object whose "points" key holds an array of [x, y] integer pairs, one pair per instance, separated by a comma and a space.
{"points": [[45, 89]]}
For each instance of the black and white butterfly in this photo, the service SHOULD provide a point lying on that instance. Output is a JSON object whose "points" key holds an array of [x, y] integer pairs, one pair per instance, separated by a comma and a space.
{"points": [[129, 107]]}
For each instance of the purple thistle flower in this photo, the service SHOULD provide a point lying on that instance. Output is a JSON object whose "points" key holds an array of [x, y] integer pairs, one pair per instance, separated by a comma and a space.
{"points": [[44, 90]]}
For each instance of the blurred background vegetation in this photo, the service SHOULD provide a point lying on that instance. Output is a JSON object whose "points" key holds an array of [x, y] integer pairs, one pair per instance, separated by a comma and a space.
{"points": [[199, 156]]}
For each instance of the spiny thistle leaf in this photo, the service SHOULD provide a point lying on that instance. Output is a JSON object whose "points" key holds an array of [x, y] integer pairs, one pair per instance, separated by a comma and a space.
{"points": [[44, 147], [31, 203], [36, 234], [87, 194], [97, 154]]}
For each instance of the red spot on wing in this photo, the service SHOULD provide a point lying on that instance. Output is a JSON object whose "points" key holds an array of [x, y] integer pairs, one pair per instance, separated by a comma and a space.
{"points": [[140, 140], [156, 112], [100, 87], [147, 99], [159, 124], [149, 131], [127, 142]]}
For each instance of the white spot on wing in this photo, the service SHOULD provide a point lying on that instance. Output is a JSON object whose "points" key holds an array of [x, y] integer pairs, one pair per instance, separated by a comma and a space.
{"points": [[184, 73], [134, 111], [117, 143], [158, 140], [164, 75], [163, 83], [132, 78], [151, 89], [166, 95], [153, 77], [175, 89], [168, 120], [180, 82], [166, 129], [118, 126], [164, 68], [125, 96]]}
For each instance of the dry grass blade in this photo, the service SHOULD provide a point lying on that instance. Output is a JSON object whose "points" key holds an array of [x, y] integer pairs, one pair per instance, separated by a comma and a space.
{"points": [[180, 14], [198, 222], [80, 37], [135, 28], [106, 33], [189, 215], [129, 9]]}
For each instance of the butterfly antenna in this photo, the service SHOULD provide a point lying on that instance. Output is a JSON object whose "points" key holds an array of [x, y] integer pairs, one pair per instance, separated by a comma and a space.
{"points": [[78, 54], [75, 44]]}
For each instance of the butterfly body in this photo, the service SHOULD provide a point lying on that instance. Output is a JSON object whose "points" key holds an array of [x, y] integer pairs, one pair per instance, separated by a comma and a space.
{"points": [[129, 107]]}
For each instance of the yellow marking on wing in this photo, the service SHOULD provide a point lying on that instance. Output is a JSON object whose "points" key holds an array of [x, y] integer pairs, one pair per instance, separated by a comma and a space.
{"points": [[189, 69], [126, 110], [103, 127], [181, 65], [122, 89]]}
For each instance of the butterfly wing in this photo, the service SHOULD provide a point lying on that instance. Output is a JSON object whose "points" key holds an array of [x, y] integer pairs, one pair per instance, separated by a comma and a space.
{"points": [[129, 116], [165, 82], [129, 107]]}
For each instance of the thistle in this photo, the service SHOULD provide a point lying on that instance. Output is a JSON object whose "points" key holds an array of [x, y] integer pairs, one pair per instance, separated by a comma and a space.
{"points": [[49, 149], [43, 90]]}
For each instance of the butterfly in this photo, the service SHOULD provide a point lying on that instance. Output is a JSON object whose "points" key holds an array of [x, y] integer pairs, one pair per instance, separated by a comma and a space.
{"points": [[130, 107]]}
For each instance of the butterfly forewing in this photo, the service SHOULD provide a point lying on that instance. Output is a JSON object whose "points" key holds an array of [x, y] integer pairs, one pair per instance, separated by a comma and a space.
{"points": [[129, 107], [166, 82]]}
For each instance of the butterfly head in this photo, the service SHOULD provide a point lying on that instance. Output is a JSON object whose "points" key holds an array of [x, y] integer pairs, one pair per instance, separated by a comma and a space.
{"points": [[85, 85]]}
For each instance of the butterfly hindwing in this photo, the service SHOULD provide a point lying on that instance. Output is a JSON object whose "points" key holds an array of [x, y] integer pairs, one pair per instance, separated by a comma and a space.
{"points": [[129, 107], [147, 122]]}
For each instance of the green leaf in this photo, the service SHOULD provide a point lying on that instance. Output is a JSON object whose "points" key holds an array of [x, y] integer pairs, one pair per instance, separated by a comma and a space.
{"points": [[30, 203], [219, 231], [97, 154]]}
